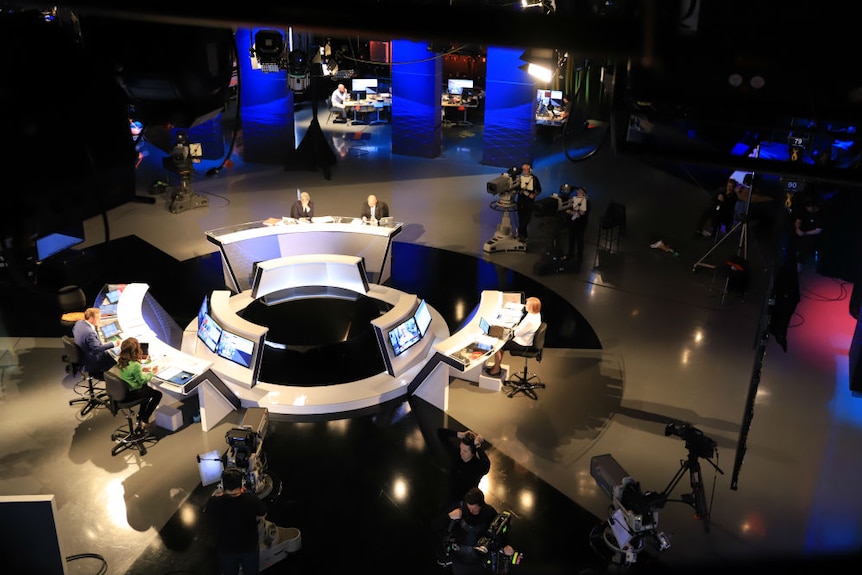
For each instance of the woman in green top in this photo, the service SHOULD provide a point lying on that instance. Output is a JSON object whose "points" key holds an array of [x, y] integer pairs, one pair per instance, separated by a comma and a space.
{"points": [[132, 372]]}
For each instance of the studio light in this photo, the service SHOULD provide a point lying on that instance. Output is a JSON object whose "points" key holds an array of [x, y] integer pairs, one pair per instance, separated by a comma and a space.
{"points": [[541, 63]]}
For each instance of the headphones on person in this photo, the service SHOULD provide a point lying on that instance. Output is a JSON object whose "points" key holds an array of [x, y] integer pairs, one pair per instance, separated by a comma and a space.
{"points": [[470, 439], [234, 476]]}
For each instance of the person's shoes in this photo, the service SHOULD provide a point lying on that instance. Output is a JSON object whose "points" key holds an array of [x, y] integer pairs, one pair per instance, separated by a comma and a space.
{"points": [[492, 373]]}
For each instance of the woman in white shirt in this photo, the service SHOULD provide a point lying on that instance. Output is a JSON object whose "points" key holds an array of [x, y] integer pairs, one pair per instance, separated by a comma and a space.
{"points": [[522, 335]]}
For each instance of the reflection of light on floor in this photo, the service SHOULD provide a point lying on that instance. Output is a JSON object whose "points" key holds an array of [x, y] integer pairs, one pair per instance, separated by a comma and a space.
{"points": [[845, 406]]}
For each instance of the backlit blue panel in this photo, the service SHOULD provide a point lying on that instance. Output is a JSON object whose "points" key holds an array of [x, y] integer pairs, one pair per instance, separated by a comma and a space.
{"points": [[510, 123], [416, 92], [266, 108]]}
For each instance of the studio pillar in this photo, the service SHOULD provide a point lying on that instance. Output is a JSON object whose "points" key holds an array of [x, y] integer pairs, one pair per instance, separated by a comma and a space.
{"points": [[510, 121], [416, 95]]}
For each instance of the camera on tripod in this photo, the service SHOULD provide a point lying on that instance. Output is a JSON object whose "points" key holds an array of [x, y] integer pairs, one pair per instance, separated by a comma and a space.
{"points": [[696, 442], [245, 450]]}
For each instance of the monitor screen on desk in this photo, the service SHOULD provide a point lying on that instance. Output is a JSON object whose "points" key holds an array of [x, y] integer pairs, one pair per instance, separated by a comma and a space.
{"points": [[209, 332], [456, 86], [557, 98], [366, 85], [204, 309], [235, 348], [404, 336], [357, 95], [423, 317]]}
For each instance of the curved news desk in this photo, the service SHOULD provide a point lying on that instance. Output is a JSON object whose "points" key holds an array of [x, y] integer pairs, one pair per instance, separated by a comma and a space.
{"points": [[242, 246]]}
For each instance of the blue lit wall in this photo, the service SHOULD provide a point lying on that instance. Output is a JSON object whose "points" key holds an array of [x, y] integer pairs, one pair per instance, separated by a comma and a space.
{"points": [[416, 92], [266, 108], [510, 122]]}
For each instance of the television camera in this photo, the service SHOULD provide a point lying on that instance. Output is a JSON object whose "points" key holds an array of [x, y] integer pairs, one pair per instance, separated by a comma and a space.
{"points": [[505, 187], [633, 514], [491, 546], [245, 450], [181, 161]]}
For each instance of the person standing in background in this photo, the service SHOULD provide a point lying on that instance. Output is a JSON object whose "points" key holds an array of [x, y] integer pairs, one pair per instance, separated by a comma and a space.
{"points": [[529, 187]]}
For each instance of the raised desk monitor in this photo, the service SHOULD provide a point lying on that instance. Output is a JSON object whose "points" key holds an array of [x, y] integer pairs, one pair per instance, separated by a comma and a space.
{"points": [[235, 348], [456, 86], [357, 95], [404, 336], [209, 332], [366, 85], [203, 310], [422, 317], [110, 331]]}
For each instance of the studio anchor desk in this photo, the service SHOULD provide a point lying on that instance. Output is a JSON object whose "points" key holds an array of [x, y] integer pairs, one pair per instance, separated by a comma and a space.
{"points": [[242, 246]]}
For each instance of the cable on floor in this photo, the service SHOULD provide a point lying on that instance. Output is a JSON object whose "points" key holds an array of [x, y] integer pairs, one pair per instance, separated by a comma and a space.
{"points": [[102, 569]]}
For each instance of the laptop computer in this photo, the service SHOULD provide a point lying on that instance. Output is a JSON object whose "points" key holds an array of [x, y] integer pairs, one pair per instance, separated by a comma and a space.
{"points": [[495, 331]]}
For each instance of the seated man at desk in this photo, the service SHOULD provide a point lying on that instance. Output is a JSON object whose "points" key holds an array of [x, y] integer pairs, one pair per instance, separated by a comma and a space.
{"points": [[373, 210], [339, 95], [522, 335], [97, 360], [303, 207], [137, 377]]}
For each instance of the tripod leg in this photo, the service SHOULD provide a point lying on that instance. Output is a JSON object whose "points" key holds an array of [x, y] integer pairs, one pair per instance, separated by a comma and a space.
{"points": [[701, 509]]}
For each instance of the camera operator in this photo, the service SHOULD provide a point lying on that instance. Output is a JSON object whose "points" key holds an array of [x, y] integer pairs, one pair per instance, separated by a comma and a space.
{"points": [[468, 463], [233, 515], [529, 187], [466, 523], [576, 217]]}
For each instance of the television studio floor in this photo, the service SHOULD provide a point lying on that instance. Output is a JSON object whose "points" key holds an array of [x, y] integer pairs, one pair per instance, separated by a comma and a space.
{"points": [[673, 346]]}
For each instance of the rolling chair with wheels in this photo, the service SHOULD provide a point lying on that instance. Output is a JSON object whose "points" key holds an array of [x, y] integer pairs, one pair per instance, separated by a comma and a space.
{"points": [[126, 436], [92, 395], [527, 382], [73, 302]]}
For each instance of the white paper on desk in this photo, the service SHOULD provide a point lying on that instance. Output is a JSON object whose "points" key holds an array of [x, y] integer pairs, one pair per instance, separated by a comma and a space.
{"points": [[322, 220], [514, 306]]}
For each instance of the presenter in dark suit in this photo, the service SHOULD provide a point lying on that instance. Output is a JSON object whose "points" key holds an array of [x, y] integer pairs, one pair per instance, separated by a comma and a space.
{"points": [[97, 360], [373, 210], [303, 207]]}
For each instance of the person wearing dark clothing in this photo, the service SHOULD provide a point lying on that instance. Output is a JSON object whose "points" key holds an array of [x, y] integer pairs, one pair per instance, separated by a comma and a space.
{"points": [[468, 463], [465, 524], [808, 225], [720, 210], [529, 187], [233, 515], [576, 217], [303, 207], [97, 360]]}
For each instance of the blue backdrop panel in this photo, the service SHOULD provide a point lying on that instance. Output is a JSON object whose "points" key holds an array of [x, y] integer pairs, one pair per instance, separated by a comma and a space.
{"points": [[510, 123], [416, 108], [266, 108]]}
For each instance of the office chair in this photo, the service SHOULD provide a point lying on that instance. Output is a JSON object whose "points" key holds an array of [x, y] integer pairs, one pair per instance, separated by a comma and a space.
{"points": [[526, 382], [73, 302], [126, 436], [92, 395]]}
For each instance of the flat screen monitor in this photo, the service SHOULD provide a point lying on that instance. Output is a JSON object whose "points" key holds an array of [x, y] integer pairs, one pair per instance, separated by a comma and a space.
{"points": [[367, 85], [404, 336], [204, 309], [557, 98], [51, 244], [357, 95], [113, 296], [235, 348], [209, 332], [456, 86], [422, 317]]}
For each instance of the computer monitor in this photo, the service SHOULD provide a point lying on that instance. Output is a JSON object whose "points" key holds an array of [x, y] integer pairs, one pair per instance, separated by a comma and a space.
{"points": [[235, 348], [367, 85], [422, 317], [404, 336], [557, 98], [209, 332], [203, 310], [51, 244], [456, 86], [357, 95]]}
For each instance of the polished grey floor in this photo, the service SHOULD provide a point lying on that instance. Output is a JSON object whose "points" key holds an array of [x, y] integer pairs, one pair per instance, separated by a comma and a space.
{"points": [[674, 346]]}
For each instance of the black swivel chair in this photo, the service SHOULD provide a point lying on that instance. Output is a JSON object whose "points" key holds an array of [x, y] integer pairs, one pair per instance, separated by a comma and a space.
{"points": [[92, 394], [73, 302], [126, 436], [527, 382]]}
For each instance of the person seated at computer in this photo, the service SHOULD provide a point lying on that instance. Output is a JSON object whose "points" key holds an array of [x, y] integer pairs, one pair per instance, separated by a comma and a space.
{"points": [[339, 95], [522, 335], [373, 210], [96, 359], [137, 376], [303, 207]]}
